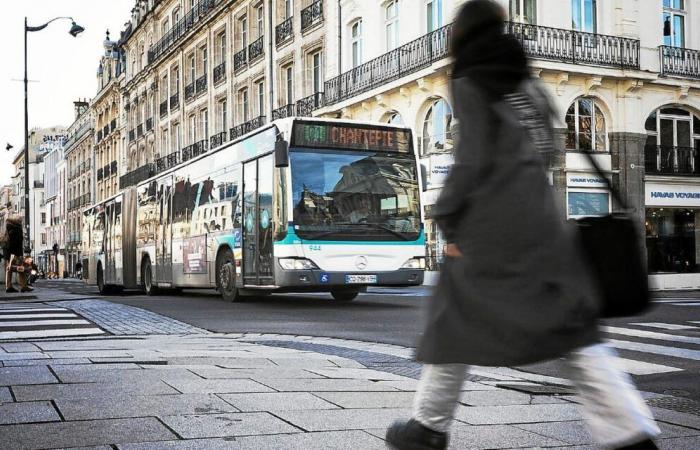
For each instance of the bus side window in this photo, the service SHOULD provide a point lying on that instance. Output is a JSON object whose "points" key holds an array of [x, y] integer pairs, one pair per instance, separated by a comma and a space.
{"points": [[280, 204]]}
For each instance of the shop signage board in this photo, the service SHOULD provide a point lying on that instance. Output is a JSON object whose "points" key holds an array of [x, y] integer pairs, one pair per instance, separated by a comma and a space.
{"points": [[679, 195], [585, 180], [438, 169]]}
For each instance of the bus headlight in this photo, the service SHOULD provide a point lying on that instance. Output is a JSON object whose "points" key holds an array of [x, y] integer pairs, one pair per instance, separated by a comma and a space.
{"points": [[414, 263], [297, 264]]}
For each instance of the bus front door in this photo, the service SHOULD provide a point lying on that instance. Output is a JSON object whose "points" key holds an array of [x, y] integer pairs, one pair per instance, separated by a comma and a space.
{"points": [[164, 254], [258, 176]]}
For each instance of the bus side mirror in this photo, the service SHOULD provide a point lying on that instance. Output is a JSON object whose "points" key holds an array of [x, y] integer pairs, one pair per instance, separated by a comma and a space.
{"points": [[281, 153]]}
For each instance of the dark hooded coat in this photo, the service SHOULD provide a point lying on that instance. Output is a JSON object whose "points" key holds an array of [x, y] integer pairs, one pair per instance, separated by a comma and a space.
{"points": [[14, 237], [521, 293]]}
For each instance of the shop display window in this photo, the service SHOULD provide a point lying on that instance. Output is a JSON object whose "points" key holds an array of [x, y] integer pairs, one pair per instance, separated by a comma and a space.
{"points": [[671, 240]]}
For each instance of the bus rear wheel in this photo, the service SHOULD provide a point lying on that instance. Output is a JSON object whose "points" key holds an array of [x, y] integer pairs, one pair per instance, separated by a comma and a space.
{"points": [[345, 295], [226, 277], [147, 278]]}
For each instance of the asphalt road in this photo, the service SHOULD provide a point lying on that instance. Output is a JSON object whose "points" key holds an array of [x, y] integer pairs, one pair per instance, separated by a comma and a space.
{"points": [[661, 348]]}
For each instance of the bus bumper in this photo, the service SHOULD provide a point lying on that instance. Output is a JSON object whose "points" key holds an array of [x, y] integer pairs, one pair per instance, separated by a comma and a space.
{"points": [[323, 280]]}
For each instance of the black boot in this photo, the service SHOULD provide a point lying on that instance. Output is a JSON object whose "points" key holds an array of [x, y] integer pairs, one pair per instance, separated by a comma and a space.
{"points": [[10, 290], [646, 444], [412, 435]]}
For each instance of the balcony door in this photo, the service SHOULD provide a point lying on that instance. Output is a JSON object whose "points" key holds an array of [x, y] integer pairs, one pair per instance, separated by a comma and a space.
{"points": [[583, 16], [671, 131]]}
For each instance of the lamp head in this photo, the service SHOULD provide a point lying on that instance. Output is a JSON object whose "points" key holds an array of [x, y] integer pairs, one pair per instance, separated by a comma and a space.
{"points": [[76, 29]]}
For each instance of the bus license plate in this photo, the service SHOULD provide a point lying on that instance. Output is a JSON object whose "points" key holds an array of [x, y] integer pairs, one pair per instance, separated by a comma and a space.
{"points": [[360, 279]]}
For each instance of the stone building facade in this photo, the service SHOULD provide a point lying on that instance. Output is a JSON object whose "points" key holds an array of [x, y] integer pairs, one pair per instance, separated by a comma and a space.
{"points": [[79, 152]]}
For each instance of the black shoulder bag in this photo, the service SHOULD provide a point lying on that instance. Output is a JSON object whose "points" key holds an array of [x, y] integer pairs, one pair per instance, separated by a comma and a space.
{"points": [[610, 243]]}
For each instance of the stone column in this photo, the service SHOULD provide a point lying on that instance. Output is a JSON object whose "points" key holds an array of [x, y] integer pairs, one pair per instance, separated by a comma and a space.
{"points": [[557, 165]]}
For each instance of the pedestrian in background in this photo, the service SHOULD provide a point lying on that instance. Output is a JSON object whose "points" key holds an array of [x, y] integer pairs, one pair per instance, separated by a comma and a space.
{"points": [[12, 250], [514, 288]]}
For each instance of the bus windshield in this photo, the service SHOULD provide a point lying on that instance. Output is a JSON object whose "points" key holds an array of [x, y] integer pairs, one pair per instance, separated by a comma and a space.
{"points": [[354, 195]]}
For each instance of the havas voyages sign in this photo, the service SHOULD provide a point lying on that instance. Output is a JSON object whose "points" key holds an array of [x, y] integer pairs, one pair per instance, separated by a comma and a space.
{"points": [[662, 194]]}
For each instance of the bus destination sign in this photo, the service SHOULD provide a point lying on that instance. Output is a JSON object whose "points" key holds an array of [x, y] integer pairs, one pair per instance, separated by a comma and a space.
{"points": [[351, 137]]}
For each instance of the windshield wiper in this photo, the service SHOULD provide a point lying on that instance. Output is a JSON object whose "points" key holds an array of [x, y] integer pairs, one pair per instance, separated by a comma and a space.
{"points": [[377, 226]]}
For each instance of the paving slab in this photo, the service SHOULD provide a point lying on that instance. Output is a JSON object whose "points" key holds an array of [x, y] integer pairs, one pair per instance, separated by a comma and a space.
{"points": [[19, 347], [501, 397], [277, 401], [27, 412], [354, 400], [45, 362], [142, 406], [223, 425], [358, 374], [685, 443], [15, 376], [511, 414], [313, 361], [232, 363], [323, 385], [107, 375], [5, 395], [23, 355], [210, 372], [676, 418], [343, 419], [226, 386], [90, 390], [412, 385], [83, 433], [333, 440]]}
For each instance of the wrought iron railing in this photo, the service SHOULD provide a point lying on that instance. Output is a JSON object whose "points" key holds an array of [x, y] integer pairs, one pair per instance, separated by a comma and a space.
{"points": [[218, 139], [666, 160], [284, 31], [404, 60], [311, 15], [132, 135], [194, 150], [240, 59], [220, 72], [576, 46], [139, 130], [149, 124], [256, 49], [284, 111], [201, 84], [175, 101], [189, 91], [246, 127], [167, 161], [137, 175], [85, 199], [309, 104], [684, 62], [164, 108]]}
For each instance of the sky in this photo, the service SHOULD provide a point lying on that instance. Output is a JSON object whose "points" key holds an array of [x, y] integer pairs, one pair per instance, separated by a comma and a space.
{"points": [[62, 69]]}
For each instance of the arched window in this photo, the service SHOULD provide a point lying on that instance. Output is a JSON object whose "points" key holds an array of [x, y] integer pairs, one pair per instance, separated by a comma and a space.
{"points": [[437, 128], [356, 43], [394, 118], [585, 125], [673, 141]]}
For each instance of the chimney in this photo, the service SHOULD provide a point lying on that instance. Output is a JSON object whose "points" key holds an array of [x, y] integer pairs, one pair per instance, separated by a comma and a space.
{"points": [[80, 107]]}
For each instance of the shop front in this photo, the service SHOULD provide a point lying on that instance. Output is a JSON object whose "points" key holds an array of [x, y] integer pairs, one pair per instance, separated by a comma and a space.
{"points": [[672, 226], [435, 168]]}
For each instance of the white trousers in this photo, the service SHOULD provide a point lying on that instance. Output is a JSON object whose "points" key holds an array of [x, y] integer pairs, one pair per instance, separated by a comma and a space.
{"points": [[614, 411]]}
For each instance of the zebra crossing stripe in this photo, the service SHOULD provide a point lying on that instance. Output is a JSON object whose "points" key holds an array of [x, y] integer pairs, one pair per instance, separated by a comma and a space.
{"points": [[665, 326], [652, 335], [37, 323], [30, 310], [687, 304], [656, 349], [36, 316], [26, 334], [634, 367]]}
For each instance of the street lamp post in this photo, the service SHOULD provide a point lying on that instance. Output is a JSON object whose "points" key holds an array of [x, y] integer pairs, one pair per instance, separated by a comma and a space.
{"points": [[75, 30]]}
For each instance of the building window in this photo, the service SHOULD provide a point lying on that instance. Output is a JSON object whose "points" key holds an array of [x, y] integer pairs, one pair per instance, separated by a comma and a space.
{"points": [[261, 19], [395, 118], [391, 24], [523, 11], [437, 128], [356, 43], [261, 98], [205, 59], [583, 15], [672, 245], [243, 27], [221, 39], [674, 23], [176, 138], [316, 73], [673, 142], [164, 27], [243, 102], [288, 8], [176, 16], [204, 114], [43, 218], [193, 68], [193, 129], [223, 115], [585, 124], [433, 15], [289, 84]]}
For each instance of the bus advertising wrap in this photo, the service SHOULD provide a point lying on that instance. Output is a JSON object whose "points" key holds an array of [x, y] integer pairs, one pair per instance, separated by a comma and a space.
{"points": [[351, 137], [194, 254]]}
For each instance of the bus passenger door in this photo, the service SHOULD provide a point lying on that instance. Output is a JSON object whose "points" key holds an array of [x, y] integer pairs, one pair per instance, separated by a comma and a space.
{"points": [[164, 260], [266, 171], [257, 221], [250, 223]]}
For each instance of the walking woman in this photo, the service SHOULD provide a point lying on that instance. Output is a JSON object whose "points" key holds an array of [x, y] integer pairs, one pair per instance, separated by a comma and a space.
{"points": [[12, 242], [514, 289]]}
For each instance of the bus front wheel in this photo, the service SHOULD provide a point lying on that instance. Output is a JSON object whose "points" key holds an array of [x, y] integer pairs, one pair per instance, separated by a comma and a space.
{"points": [[226, 277], [147, 278], [345, 295]]}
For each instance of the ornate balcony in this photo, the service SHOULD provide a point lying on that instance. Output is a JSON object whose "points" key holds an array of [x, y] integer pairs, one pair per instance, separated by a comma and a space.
{"points": [[137, 175], [201, 84], [284, 31], [217, 140], [189, 92], [167, 161], [308, 105], [194, 150], [246, 127], [139, 130], [132, 135], [678, 61], [576, 47], [666, 160], [174, 101], [149, 124], [163, 108], [220, 73], [256, 49], [240, 59], [284, 111], [312, 15]]}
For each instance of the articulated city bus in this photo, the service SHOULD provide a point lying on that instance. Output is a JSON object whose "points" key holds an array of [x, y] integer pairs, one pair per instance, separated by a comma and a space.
{"points": [[301, 205]]}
